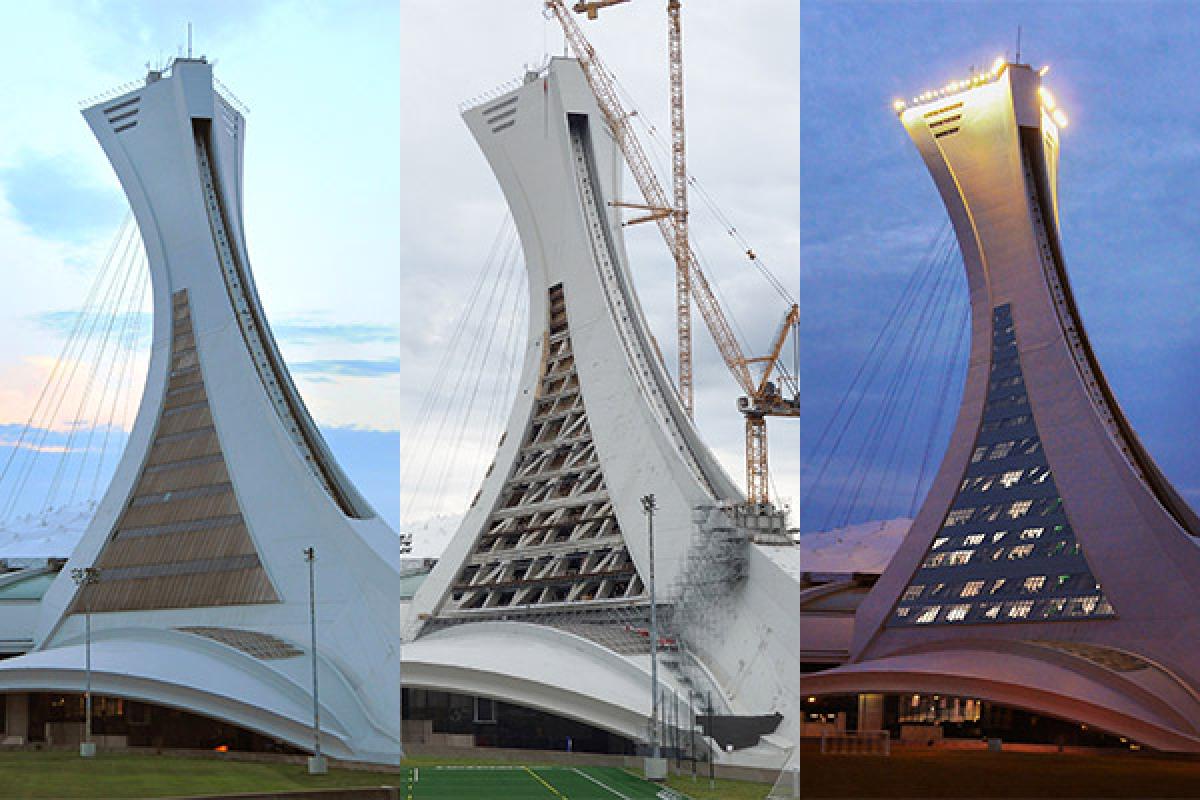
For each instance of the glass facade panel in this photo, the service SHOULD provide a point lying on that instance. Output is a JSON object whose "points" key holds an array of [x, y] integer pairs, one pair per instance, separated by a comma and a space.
{"points": [[1006, 551]]}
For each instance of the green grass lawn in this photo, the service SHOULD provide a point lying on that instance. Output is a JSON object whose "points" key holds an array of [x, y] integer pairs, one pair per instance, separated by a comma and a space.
{"points": [[59, 774], [943, 773], [65, 775]]}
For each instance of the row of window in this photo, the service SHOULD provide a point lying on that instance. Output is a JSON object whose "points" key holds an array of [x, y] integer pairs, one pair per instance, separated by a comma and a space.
{"points": [[1005, 422], [994, 537], [1003, 383], [1037, 507], [1007, 479], [1016, 552], [1001, 401], [1030, 584], [1026, 445], [1008, 611]]}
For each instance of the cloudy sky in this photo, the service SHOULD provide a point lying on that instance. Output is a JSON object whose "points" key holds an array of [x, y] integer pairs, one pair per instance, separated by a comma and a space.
{"points": [[1125, 73], [322, 194], [742, 100]]}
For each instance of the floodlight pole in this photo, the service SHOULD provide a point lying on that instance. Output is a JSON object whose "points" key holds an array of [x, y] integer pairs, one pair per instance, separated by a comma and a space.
{"points": [[406, 548], [316, 764], [655, 766], [649, 505], [692, 729], [85, 577]]}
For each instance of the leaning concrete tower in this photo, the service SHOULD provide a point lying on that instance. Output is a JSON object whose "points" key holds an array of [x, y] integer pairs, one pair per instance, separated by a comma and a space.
{"points": [[203, 597], [554, 545], [1052, 565]]}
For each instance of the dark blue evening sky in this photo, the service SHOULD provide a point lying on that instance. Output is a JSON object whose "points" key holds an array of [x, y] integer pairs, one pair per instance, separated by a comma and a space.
{"points": [[1128, 75]]}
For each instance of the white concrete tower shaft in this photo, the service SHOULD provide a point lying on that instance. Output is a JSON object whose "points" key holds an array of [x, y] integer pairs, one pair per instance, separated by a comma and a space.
{"points": [[226, 480]]}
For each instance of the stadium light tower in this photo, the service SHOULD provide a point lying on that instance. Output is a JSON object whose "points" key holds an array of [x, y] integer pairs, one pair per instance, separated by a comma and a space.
{"points": [[316, 764], [87, 576], [655, 766]]}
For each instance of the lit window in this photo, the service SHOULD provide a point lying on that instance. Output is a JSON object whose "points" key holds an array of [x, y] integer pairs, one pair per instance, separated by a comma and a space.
{"points": [[1041, 478], [1083, 606], [1001, 450], [1010, 478], [1019, 508], [1034, 583], [997, 585], [998, 535], [1031, 446], [1054, 607], [1020, 609], [1031, 533], [939, 541], [958, 517], [971, 588], [936, 589], [985, 483], [1062, 579], [928, 615], [902, 612], [973, 540], [912, 592], [992, 611], [1020, 551], [957, 613], [959, 557], [978, 455]]}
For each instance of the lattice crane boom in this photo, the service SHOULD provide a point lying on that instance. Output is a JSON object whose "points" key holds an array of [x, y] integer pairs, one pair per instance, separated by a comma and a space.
{"points": [[604, 86], [762, 399], [681, 246]]}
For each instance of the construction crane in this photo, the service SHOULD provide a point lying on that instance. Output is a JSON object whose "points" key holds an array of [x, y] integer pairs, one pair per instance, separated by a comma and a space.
{"points": [[762, 396], [678, 210]]}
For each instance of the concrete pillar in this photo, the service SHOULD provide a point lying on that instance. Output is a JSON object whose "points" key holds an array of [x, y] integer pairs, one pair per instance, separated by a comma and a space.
{"points": [[870, 712]]}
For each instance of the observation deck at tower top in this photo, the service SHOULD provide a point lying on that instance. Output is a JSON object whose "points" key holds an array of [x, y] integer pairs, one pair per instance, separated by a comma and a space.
{"points": [[161, 73], [1018, 72]]}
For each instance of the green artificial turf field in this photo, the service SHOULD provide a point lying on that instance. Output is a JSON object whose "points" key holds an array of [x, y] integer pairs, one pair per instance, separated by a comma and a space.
{"points": [[530, 783]]}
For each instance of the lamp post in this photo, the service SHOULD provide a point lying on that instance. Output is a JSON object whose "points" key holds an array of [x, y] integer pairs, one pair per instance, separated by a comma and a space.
{"points": [[655, 766], [406, 548], [316, 762], [85, 577]]}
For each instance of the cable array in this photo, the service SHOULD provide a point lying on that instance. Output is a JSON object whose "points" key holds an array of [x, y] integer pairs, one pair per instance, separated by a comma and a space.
{"points": [[67, 446], [874, 455], [466, 405]]}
